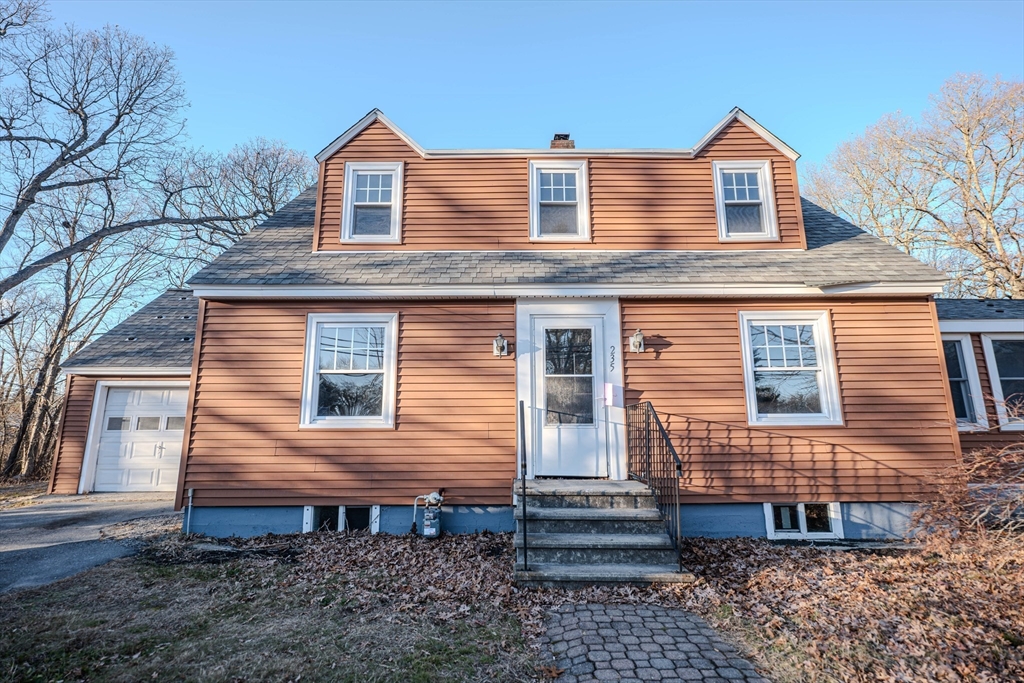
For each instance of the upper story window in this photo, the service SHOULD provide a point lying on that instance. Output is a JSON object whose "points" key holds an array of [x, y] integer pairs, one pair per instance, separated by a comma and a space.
{"points": [[372, 202], [744, 203], [789, 368], [1004, 357], [559, 210], [964, 383], [350, 366]]}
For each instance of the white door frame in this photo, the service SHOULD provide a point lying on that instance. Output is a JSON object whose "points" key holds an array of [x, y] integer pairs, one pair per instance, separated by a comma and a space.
{"points": [[612, 382], [87, 479]]}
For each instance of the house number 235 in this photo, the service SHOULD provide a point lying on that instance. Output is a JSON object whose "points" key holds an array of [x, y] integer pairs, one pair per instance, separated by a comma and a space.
{"points": [[611, 356]]}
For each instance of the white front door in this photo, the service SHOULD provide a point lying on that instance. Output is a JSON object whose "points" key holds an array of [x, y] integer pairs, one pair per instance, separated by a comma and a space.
{"points": [[569, 365], [140, 439]]}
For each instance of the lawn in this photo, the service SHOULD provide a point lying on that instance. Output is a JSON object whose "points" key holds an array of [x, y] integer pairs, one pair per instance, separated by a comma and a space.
{"points": [[178, 612], [355, 607]]}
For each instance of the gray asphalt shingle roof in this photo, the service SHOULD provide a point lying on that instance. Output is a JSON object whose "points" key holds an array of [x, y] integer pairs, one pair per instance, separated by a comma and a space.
{"points": [[980, 309], [160, 334], [279, 253]]}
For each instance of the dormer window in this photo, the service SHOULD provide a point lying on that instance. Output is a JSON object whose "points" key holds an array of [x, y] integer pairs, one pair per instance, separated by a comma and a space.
{"points": [[559, 211], [743, 201], [372, 210]]}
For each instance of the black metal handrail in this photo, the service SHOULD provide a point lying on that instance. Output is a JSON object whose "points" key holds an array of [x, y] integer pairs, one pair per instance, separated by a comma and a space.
{"points": [[522, 476], [652, 459]]}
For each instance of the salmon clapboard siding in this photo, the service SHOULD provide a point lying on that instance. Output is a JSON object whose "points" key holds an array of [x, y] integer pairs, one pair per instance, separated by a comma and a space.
{"points": [[483, 203], [993, 437], [74, 427], [455, 418], [898, 429]]}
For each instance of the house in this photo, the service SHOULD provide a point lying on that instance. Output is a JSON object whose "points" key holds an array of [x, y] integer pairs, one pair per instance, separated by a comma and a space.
{"points": [[983, 343], [372, 342]]}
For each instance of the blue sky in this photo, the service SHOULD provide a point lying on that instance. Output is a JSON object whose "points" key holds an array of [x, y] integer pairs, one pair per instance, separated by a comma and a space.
{"points": [[613, 74]]}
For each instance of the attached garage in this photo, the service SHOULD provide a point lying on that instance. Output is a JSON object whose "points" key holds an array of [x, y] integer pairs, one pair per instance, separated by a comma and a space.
{"points": [[140, 438], [126, 401]]}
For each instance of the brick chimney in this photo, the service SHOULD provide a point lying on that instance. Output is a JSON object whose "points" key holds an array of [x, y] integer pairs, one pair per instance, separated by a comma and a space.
{"points": [[562, 141]]}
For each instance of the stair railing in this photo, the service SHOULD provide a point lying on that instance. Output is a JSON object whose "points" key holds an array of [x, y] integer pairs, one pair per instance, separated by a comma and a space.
{"points": [[652, 459], [522, 477]]}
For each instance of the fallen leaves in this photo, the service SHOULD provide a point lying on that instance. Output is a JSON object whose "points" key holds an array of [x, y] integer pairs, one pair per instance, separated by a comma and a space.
{"points": [[902, 614]]}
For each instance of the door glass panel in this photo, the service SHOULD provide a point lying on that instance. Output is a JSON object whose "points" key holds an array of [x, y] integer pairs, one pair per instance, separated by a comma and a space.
{"points": [[569, 376]]}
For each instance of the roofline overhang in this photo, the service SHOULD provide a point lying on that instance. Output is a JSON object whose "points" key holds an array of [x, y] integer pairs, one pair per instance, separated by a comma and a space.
{"points": [[981, 325], [108, 371], [513, 291], [736, 114]]}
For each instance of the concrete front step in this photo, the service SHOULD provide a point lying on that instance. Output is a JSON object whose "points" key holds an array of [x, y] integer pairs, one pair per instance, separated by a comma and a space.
{"points": [[591, 520], [572, 548], [583, 493], [576, 575], [637, 541]]}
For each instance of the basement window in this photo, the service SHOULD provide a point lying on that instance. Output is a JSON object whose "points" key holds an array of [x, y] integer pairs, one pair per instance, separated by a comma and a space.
{"points": [[743, 201], [372, 202], [803, 521]]}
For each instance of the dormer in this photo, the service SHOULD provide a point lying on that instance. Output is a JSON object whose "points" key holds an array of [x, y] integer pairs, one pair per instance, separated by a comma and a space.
{"points": [[736, 189]]}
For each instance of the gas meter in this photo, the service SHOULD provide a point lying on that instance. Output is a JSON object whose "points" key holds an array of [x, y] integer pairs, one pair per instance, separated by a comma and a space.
{"points": [[431, 514]]}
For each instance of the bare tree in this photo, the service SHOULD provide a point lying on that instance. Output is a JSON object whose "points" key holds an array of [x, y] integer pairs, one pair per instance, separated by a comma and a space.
{"points": [[101, 203], [98, 109], [948, 188]]}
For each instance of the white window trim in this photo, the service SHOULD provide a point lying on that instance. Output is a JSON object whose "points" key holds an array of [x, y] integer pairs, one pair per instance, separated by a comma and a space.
{"points": [[834, 513], [308, 417], [973, 382], [997, 386], [582, 199], [829, 386], [764, 179], [348, 199]]}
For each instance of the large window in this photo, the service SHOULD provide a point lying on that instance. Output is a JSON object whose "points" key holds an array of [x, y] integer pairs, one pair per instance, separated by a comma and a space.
{"points": [[1004, 357], [372, 202], [558, 201], [789, 368], [743, 200], [350, 370], [964, 384], [803, 521]]}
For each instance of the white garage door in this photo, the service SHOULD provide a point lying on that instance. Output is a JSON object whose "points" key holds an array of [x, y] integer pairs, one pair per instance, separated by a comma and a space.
{"points": [[140, 439]]}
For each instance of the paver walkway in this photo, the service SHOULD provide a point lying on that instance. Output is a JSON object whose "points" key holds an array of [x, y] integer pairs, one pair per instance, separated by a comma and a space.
{"points": [[640, 643]]}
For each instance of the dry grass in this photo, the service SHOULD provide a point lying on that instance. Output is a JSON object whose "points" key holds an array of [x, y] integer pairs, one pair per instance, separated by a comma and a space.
{"points": [[182, 613], [21, 493], [951, 611], [355, 607]]}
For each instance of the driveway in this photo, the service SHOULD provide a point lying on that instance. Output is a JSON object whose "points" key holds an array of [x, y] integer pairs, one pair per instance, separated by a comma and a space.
{"points": [[61, 535]]}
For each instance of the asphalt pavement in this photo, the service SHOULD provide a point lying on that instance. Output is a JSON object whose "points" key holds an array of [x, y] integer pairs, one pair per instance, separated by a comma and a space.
{"points": [[59, 536]]}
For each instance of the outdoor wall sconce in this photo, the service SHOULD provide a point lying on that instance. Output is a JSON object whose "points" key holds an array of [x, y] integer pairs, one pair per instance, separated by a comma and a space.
{"points": [[636, 342], [500, 345]]}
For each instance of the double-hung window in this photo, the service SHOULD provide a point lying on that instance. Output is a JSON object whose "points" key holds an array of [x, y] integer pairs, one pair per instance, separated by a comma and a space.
{"points": [[789, 368], [964, 383], [808, 521], [559, 209], [372, 202], [350, 367], [1004, 357], [744, 202]]}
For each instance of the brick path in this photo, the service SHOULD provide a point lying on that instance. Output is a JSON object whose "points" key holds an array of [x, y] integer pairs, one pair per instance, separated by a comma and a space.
{"points": [[640, 643]]}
